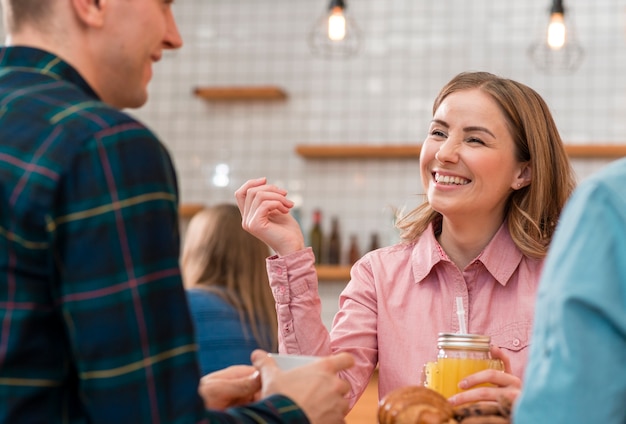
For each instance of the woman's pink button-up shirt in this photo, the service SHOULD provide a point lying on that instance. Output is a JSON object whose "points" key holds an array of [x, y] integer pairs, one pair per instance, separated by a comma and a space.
{"points": [[399, 298]]}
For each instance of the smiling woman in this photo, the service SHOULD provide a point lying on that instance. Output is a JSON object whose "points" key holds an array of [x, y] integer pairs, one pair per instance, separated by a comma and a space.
{"points": [[470, 165], [496, 176], [504, 125]]}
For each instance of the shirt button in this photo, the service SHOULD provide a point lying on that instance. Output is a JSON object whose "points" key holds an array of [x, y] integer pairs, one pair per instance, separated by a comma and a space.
{"points": [[516, 342], [279, 271]]}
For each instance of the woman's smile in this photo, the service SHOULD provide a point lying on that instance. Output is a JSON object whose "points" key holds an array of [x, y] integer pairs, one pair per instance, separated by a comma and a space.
{"points": [[449, 179]]}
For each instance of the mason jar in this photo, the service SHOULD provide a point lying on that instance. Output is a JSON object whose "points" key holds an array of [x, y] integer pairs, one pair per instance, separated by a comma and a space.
{"points": [[459, 355]]}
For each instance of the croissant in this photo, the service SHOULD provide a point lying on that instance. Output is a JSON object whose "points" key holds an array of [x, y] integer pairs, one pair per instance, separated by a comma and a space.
{"points": [[420, 405], [415, 405]]}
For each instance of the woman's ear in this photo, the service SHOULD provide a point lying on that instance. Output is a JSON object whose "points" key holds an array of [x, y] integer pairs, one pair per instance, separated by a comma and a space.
{"points": [[524, 177], [90, 12]]}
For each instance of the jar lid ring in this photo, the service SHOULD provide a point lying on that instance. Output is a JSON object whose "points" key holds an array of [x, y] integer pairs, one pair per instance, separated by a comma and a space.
{"points": [[463, 341]]}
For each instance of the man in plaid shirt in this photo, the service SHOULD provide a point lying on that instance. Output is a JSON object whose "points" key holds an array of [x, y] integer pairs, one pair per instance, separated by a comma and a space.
{"points": [[94, 325]]}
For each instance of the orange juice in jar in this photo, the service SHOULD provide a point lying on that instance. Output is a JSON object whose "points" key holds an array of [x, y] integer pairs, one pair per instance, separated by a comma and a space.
{"points": [[459, 356]]}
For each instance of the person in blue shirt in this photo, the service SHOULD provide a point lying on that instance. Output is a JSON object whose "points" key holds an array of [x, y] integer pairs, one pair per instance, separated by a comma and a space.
{"points": [[227, 286], [577, 367]]}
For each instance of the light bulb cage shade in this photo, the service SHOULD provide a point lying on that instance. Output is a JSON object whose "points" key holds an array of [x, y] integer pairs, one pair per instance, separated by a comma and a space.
{"points": [[321, 45], [567, 59], [563, 60]]}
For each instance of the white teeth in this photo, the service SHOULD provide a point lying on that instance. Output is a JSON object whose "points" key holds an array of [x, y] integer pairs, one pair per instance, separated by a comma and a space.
{"points": [[447, 179]]}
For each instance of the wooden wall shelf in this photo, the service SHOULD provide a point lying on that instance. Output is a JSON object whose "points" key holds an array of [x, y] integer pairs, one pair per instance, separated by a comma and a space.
{"points": [[267, 92], [333, 272], [359, 151], [589, 151], [187, 210], [399, 151], [412, 151]]}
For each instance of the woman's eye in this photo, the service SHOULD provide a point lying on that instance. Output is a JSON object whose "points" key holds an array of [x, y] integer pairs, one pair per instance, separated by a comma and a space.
{"points": [[437, 133], [475, 140]]}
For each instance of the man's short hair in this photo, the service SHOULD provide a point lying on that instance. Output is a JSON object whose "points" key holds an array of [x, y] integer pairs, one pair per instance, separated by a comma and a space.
{"points": [[19, 12]]}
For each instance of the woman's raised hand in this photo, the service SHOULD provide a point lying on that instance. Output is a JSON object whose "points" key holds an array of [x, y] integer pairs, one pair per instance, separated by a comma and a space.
{"points": [[265, 214]]}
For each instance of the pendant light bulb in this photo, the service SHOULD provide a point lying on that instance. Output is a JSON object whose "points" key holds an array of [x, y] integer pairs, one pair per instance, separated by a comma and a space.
{"points": [[556, 31], [336, 24], [335, 34], [557, 51]]}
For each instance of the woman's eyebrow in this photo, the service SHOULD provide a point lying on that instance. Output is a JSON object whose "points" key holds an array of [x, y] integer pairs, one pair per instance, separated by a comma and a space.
{"points": [[440, 122], [477, 128], [466, 129]]}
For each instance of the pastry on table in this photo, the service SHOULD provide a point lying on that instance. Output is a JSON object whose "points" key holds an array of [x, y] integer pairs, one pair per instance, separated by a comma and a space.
{"points": [[415, 405], [420, 405]]}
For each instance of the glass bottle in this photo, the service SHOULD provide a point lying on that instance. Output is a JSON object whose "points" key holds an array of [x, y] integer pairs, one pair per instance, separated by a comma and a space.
{"points": [[353, 254], [374, 244], [334, 243], [316, 236], [459, 356]]}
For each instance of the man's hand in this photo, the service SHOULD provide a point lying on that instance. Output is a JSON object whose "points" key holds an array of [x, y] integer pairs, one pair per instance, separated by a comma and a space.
{"points": [[231, 386], [314, 387]]}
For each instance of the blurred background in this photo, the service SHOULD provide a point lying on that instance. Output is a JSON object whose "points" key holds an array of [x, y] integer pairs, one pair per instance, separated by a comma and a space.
{"points": [[379, 93]]}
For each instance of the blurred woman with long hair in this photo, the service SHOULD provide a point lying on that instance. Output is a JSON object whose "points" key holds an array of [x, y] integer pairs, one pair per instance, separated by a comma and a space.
{"points": [[227, 288]]}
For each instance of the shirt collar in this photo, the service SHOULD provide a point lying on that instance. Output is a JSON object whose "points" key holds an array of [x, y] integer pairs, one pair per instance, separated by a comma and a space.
{"points": [[427, 253], [501, 256], [30, 59]]}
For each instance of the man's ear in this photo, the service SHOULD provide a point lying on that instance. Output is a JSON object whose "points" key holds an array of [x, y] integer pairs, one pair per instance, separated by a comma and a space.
{"points": [[524, 178], [90, 12]]}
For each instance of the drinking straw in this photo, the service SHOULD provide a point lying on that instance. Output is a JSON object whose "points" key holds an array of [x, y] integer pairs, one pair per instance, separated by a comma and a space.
{"points": [[460, 312]]}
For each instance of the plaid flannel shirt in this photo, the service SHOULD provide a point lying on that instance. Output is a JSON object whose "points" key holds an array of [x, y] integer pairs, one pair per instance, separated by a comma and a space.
{"points": [[94, 325]]}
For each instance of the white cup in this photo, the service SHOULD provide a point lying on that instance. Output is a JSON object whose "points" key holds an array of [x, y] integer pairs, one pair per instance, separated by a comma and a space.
{"points": [[287, 362]]}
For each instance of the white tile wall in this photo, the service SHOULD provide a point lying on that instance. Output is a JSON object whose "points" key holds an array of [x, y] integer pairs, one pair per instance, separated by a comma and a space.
{"points": [[383, 95]]}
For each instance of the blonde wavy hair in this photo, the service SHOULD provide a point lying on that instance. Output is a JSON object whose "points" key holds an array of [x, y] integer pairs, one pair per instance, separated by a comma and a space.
{"points": [[222, 258], [532, 211]]}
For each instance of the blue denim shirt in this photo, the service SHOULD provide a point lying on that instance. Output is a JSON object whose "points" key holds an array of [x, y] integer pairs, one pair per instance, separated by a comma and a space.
{"points": [[577, 367]]}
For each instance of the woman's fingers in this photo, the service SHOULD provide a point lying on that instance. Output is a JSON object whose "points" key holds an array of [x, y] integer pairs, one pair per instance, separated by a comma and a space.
{"points": [[495, 377], [242, 192], [265, 214], [501, 384], [497, 353], [485, 394], [257, 200]]}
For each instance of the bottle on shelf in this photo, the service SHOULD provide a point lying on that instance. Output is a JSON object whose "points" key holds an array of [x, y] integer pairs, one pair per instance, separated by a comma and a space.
{"points": [[316, 236], [353, 254], [334, 243], [374, 243]]}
